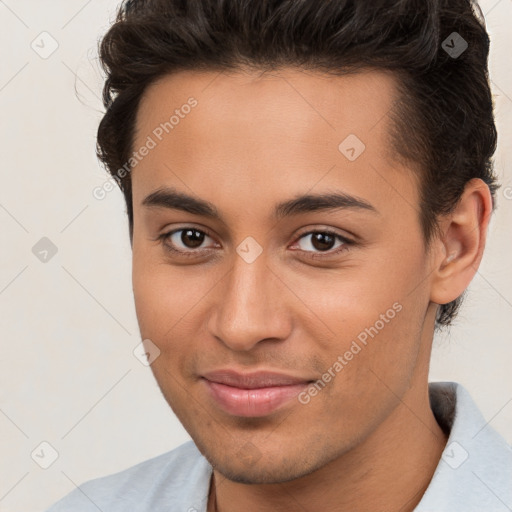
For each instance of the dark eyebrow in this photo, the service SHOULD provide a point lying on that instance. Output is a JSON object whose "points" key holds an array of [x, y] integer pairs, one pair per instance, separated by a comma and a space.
{"points": [[173, 199], [326, 201]]}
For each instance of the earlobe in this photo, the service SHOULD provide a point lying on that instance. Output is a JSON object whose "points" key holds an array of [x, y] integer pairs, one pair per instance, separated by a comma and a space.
{"points": [[462, 244]]}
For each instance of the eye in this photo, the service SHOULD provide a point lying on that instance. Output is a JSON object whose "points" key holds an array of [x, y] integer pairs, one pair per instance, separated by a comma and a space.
{"points": [[186, 241], [322, 241], [189, 241]]}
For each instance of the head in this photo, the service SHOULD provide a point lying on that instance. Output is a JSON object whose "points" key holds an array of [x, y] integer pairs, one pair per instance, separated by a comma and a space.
{"points": [[247, 107]]}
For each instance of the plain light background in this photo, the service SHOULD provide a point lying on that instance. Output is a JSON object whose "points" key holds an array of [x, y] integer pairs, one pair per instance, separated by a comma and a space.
{"points": [[68, 373]]}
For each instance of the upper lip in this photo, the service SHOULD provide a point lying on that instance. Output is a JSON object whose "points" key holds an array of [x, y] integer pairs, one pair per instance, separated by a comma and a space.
{"points": [[254, 380]]}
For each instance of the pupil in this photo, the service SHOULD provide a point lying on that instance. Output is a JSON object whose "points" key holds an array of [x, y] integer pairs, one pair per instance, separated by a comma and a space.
{"points": [[193, 241], [322, 241]]}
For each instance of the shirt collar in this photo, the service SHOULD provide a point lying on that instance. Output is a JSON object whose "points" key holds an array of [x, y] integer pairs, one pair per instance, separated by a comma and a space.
{"points": [[475, 469]]}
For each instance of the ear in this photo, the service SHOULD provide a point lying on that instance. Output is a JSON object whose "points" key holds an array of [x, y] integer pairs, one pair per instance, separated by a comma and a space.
{"points": [[460, 248]]}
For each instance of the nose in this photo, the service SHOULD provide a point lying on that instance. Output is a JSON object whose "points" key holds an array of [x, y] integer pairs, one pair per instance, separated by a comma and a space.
{"points": [[250, 306]]}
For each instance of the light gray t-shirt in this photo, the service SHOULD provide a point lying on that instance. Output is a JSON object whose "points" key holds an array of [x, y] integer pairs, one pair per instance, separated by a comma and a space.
{"points": [[474, 473]]}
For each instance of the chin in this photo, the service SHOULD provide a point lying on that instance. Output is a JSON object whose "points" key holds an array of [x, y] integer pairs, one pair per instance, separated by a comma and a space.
{"points": [[262, 471], [260, 475]]}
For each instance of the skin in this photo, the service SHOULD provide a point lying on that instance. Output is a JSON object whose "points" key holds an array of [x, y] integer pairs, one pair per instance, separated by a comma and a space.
{"points": [[368, 440]]}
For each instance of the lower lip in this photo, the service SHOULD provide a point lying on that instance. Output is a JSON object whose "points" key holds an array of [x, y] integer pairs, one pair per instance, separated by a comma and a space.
{"points": [[252, 402]]}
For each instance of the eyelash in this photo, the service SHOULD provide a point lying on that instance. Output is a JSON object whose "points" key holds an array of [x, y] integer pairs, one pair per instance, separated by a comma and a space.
{"points": [[346, 244]]}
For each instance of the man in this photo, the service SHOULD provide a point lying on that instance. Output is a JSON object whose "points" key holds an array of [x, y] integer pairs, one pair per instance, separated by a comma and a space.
{"points": [[308, 187]]}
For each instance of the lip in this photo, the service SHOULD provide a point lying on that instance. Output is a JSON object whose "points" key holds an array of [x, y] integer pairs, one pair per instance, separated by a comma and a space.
{"points": [[253, 380], [252, 394]]}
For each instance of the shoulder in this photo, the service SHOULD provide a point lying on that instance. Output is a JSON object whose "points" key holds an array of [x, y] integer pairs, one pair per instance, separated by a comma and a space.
{"points": [[179, 477], [475, 470]]}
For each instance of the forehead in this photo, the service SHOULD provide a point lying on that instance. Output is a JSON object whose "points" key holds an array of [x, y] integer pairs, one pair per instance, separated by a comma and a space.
{"points": [[244, 100], [252, 132]]}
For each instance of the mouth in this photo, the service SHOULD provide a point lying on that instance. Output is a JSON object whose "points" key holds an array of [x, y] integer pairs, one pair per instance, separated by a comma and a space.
{"points": [[252, 395]]}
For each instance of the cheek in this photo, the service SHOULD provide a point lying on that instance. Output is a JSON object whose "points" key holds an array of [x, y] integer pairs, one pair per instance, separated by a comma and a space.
{"points": [[161, 308], [371, 315], [341, 305], [147, 297], [162, 296], [169, 303], [368, 328]]}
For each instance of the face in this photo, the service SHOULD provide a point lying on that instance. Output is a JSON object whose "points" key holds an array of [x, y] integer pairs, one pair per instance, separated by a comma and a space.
{"points": [[335, 296]]}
